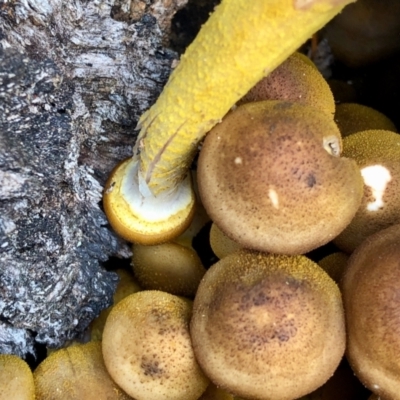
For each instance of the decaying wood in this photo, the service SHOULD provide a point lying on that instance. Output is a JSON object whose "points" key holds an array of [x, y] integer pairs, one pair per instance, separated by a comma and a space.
{"points": [[74, 78]]}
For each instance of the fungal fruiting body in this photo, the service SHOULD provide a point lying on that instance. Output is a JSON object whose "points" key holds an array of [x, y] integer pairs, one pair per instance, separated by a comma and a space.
{"points": [[296, 80], [377, 153], [146, 220], [236, 47], [16, 379], [221, 244], [353, 117], [76, 372], [371, 298], [147, 348], [127, 285], [268, 327], [169, 267], [263, 169]]}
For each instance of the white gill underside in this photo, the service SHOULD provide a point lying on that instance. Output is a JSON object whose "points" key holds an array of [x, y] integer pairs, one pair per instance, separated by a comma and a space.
{"points": [[153, 208]]}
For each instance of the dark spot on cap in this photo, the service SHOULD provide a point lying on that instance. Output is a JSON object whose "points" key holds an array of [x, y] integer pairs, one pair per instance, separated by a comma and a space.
{"points": [[311, 181], [151, 367]]}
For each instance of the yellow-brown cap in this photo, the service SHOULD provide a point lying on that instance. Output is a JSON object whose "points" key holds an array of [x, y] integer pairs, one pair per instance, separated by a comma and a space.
{"points": [[146, 219]]}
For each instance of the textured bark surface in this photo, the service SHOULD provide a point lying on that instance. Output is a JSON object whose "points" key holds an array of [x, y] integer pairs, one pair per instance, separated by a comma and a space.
{"points": [[74, 78]]}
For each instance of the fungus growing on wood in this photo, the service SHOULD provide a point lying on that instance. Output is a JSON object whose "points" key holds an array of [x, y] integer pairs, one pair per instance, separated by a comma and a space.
{"points": [[235, 48]]}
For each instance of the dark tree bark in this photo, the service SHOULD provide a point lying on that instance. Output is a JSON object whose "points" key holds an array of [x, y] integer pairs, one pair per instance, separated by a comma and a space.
{"points": [[74, 78]]}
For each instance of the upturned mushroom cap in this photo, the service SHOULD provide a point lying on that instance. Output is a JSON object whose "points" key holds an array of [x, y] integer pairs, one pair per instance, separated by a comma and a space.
{"points": [[268, 326], [169, 267], [76, 372], [271, 178], [16, 379], [377, 153], [147, 348], [297, 80], [371, 298], [146, 220]]}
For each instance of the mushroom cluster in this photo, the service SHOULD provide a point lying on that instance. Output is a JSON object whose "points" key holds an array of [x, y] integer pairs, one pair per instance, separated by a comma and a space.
{"points": [[276, 181]]}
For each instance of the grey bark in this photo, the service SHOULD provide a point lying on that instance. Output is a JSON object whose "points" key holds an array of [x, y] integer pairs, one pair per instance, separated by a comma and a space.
{"points": [[74, 78]]}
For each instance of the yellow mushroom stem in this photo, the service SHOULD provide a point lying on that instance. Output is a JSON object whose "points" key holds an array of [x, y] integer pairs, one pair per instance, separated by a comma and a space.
{"points": [[240, 43]]}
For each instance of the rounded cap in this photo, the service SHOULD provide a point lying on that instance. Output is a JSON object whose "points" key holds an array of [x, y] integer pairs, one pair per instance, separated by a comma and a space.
{"points": [[268, 326], [16, 379], [169, 267], [370, 290], [296, 80], [271, 178], [147, 348], [146, 220], [377, 153], [76, 372]]}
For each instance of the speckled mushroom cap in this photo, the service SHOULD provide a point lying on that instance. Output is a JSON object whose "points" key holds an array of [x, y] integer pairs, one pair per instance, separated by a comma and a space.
{"points": [[76, 372], [353, 117], [268, 326], [297, 79], [271, 178], [370, 290], [16, 379], [377, 153], [147, 348], [221, 244], [169, 267]]}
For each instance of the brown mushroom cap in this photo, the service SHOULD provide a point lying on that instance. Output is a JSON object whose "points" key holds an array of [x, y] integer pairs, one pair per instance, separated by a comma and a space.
{"points": [[377, 153], [76, 372], [213, 392], [16, 379], [145, 220], [221, 244], [295, 80], [353, 117], [334, 265], [147, 348], [169, 267], [365, 32], [371, 298], [268, 326], [267, 166], [126, 286]]}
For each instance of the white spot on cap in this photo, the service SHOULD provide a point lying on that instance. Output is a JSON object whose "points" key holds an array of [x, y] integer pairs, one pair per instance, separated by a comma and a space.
{"points": [[273, 196], [376, 177], [376, 387], [238, 160]]}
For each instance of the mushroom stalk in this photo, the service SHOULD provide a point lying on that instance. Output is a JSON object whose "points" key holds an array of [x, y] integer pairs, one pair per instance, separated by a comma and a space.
{"points": [[240, 43]]}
